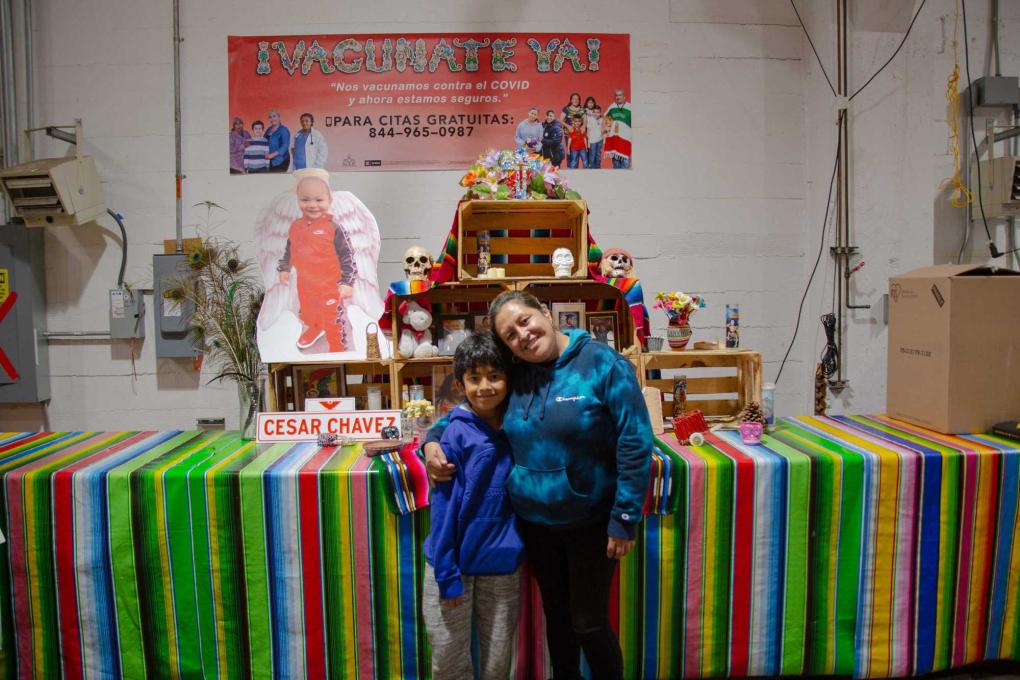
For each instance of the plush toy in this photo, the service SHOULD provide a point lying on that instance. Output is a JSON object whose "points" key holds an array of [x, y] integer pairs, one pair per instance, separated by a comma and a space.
{"points": [[415, 336]]}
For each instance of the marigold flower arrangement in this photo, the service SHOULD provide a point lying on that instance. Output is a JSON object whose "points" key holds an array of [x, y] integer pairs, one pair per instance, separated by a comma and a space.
{"points": [[520, 174], [677, 305]]}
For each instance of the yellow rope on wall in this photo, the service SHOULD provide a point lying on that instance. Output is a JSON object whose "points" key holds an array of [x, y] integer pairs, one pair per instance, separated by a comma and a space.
{"points": [[960, 196]]}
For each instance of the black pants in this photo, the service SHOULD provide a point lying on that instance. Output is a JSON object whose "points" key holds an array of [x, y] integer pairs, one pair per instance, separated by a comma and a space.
{"points": [[574, 576]]}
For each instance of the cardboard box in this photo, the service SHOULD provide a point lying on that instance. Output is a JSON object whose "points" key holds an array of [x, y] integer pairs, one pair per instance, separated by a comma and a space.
{"points": [[954, 347]]}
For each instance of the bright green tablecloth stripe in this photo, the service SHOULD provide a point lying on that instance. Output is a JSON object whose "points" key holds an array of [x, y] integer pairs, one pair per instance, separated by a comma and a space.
{"points": [[122, 541], [256, 560], [795, 586]]}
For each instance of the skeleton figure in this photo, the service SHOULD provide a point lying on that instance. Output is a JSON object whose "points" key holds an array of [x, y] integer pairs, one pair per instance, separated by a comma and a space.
{"points": [[417, 264], [562, 262], [617, 262]]}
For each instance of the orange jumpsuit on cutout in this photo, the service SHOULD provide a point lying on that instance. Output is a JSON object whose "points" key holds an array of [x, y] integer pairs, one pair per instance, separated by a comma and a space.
{"points": [[321, 253]]}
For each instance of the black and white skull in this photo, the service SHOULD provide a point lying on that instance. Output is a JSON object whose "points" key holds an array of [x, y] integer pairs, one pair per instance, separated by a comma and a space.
{"points": [[417, 264], [617, 262]]}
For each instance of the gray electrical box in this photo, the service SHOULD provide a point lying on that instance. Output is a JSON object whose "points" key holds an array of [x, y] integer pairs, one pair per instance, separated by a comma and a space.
{"points": [[127, 314], [24, 360], [997, 91], [171, 318]]}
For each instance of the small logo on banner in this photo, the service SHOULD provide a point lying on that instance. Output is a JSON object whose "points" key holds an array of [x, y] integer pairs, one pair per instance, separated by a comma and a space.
{"points": [[894, 292], [938, 295]]}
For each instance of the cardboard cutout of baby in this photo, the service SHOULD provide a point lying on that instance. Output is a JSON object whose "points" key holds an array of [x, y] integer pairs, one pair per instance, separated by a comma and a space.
{"points": [[318, 250]]}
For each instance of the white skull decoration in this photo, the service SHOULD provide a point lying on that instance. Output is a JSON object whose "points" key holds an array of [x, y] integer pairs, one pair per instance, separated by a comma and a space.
{"points": [[562, 262], [417, 264], [617, 262]]}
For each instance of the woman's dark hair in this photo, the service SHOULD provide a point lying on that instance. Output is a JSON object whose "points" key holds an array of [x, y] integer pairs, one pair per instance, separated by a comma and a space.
{"points": [[570, 102], [594, 104], [310, 117], [481, 348]]}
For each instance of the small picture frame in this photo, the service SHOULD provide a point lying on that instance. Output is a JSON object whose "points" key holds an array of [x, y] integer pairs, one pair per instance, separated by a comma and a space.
{"points": [[446, 393], [480, 322], [603, 327], [451, 330], [568, 315]]}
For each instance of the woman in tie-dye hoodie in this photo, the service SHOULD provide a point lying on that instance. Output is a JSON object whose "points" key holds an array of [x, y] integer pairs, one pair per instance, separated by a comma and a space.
{"points": [[582, 442]]}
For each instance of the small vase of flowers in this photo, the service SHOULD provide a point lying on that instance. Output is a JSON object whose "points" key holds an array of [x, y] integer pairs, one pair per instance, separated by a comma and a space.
{"points": [[678, 307]]}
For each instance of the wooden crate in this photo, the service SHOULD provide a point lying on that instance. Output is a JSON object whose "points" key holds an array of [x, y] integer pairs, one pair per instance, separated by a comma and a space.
{"points": [[289, 383], [471, 298], [719, 382], [519, 230], [430, 373], [550, 291]]}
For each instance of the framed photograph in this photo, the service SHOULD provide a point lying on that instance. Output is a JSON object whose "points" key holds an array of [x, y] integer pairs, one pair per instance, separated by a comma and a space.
{"points": [[568, 315], [316, 382], [446, 393], [451, 330], [480, 322], [603, 328]]}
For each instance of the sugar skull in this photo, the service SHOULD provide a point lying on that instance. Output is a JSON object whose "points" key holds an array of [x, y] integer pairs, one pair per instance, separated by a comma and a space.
{"points": [[617, 262], [562, 262], [417, 264]]}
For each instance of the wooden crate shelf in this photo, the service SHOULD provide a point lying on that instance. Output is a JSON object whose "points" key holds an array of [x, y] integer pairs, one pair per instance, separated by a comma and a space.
{"points": [[522, 228], [719, 382]]}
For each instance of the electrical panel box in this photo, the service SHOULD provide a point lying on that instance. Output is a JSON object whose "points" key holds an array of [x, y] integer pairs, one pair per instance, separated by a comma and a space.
{"points": [[172, 319], [127, 314], [24, 360], [1000, 187], [997, 91]]}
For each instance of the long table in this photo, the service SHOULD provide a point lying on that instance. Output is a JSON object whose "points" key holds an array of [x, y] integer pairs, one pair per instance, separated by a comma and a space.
{"points": [[847, 545]]}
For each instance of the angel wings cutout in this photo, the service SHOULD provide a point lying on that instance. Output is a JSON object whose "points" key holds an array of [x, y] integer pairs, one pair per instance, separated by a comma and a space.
{"points": [[279, 323]]}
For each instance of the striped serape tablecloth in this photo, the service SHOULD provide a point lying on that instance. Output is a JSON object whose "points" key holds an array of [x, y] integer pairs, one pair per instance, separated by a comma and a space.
{"points": [[850, 545]]}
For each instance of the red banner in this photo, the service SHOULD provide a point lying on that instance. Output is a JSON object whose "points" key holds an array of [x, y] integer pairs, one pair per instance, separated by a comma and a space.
{"points": [[426, 101]]}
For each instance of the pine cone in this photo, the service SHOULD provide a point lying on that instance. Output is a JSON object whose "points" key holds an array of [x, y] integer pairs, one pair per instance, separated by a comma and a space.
{"points": [[752, 414]]}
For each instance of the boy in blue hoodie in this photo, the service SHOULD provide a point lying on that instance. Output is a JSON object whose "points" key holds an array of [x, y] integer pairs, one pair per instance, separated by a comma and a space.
{"points": [[473, 550]]}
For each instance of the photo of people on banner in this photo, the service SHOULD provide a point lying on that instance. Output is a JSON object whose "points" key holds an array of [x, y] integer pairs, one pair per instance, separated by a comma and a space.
{"points": [[427, 101]]}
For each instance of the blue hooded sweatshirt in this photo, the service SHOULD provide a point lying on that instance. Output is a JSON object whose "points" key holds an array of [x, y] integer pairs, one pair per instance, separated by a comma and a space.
{"points": [[473, 530], [581, 438]]}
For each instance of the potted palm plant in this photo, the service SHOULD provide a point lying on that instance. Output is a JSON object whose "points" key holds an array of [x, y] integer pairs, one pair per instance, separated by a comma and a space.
{"points": [[226, 294]]}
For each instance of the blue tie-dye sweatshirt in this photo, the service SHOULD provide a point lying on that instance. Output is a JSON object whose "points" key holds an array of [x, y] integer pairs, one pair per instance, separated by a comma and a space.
{"points": [[581, 439]]}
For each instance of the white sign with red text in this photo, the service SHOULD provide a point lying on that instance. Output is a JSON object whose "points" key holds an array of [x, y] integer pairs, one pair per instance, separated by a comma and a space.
{"points": [[296, 426]]}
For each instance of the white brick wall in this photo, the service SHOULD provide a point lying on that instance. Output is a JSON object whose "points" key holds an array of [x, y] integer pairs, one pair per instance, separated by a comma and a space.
{"points": [[732, 147]]}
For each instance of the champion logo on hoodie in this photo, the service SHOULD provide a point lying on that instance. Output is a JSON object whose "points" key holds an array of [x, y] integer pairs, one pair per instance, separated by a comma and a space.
{"points": [[577, 398]]}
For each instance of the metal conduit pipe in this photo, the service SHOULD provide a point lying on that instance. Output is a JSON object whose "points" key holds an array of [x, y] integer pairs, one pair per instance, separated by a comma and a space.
{"points": [[29, 73], [8, 112], [178, 175]]}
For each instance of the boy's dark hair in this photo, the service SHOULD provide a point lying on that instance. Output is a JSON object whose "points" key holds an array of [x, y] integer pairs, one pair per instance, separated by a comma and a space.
{"points": [[550, 111], [258, 122], [479, 349]]}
